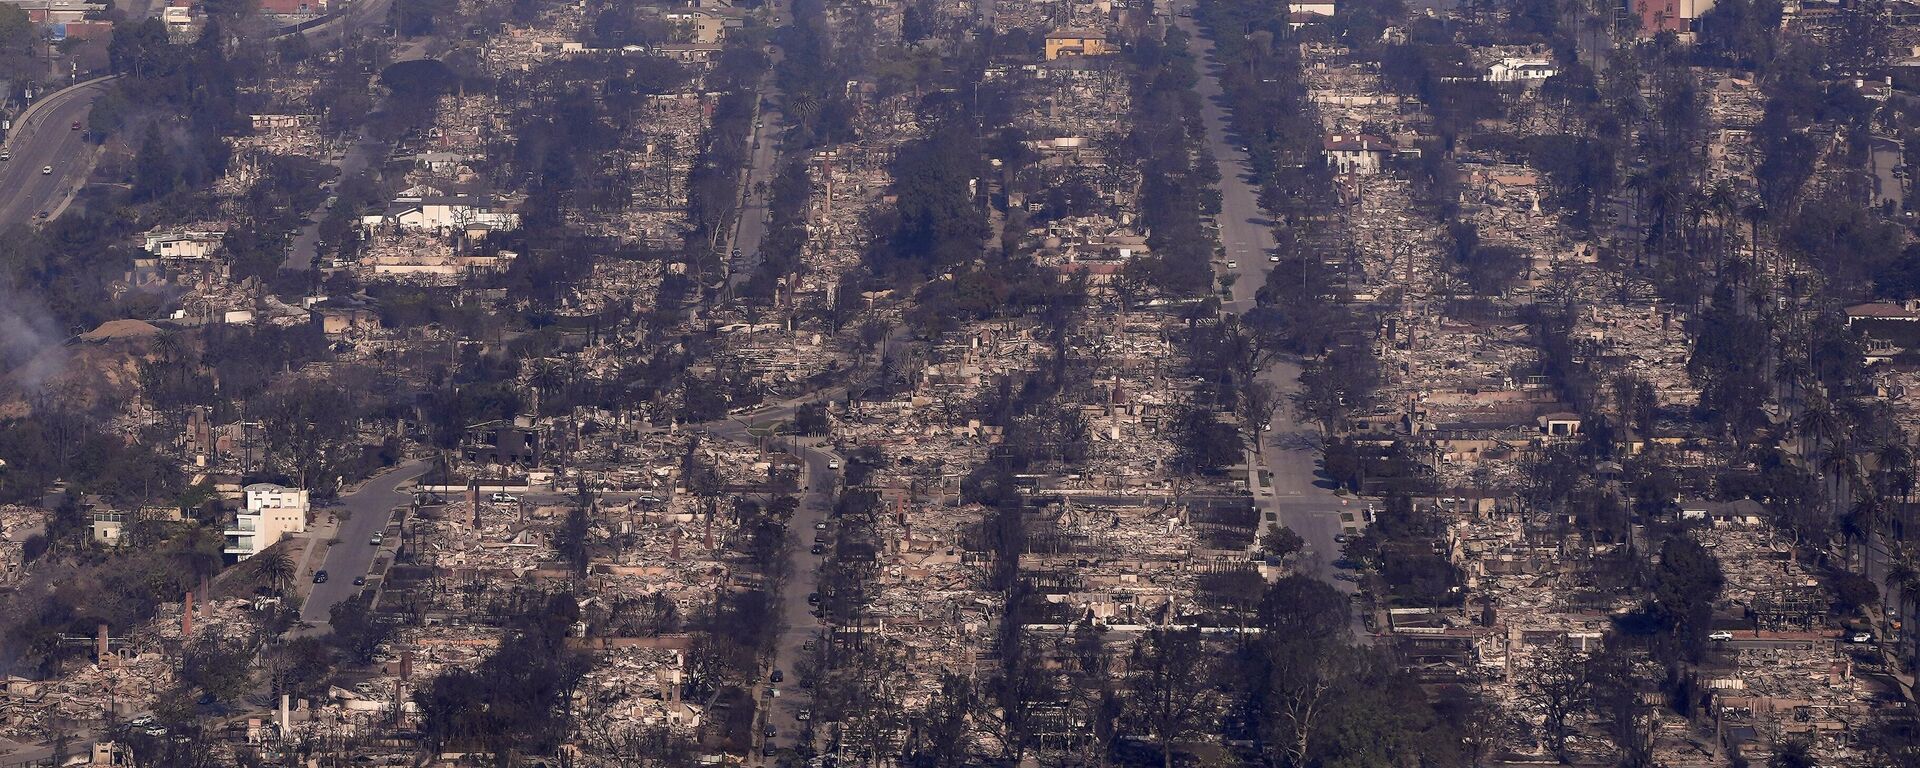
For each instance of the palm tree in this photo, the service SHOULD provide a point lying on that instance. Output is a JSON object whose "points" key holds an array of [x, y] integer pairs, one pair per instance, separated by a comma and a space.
{"points": [[275, 568], [1894, 471]]}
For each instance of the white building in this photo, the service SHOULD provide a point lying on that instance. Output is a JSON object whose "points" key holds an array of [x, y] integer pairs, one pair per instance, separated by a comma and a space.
{"points": [[1358, 154], [271, 512], [1312, 7], [425, 208], [1514, 70], [183, 243]]}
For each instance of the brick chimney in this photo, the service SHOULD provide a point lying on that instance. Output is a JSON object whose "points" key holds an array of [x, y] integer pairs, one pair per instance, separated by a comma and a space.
{"points": [[100, 644], [186, 617]]}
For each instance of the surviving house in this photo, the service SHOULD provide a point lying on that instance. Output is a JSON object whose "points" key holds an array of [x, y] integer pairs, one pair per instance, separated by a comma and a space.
{"points": [[1357, 154], [1516, 70], [426, 208], [1076, 42], [270, 512], [182, 243]]}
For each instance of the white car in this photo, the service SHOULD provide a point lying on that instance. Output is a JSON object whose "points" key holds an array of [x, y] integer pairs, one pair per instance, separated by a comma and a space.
{"points": [[502, 498], [1275, 259], [46, 171], [835, 464], [1720, 636], [1861, 637]]}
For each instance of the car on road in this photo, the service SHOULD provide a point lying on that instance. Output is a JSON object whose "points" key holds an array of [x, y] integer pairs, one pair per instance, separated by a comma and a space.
{"points": [[1720, 636], [813, 598], [819, 538], [818, 549], [1233, 265], [771, 749], [1274, 258], [4, 156], [76, 125], [777, 676], [46, 171], [771, 732], [804, 715], [1342, 537], [320, 577], [359, 581], [499, 497], [1862, 638], [820, 526], [377, 538], [44, 214], [833, 464]]}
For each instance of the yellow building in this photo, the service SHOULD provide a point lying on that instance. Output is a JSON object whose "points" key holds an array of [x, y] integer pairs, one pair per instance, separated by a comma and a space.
{"points": [[1076, 42]]}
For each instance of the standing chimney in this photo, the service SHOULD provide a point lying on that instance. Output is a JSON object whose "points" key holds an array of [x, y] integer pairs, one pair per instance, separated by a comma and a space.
{"points": [[186, 617], [206, 601], [100, 644], [674, 554], [286, 715], [406, 665], [709, 533]]}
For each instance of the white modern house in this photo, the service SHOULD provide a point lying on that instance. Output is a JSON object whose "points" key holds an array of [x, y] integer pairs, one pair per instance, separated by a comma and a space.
{"points": [[426, 208], [182, 243], [271, 512]]}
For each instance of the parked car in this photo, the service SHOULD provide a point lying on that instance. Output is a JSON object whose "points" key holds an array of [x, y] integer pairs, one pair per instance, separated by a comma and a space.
{"points": [[804, 715], [1720, 636], [359, 581], [500, 497], [1861, 638], [818, 549], [319, 577], [777, 676], [377, 538]]}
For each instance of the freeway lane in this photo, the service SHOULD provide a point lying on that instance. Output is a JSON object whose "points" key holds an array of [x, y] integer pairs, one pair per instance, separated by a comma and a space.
{"points": [[1291, 450], [368, 509], [46, 138]]}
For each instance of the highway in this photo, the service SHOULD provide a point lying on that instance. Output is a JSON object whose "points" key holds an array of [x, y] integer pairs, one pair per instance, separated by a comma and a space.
{"points": [[45, 137], [1301, 499], [368, 509]]}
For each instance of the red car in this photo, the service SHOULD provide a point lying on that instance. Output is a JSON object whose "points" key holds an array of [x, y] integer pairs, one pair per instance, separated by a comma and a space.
{"points": [[76, 125]]}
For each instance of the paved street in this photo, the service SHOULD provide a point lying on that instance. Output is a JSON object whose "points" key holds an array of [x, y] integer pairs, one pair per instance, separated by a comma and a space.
{"points": [[751, 227], [1301, 501], [797, 624], [369, 509], [45, 139]]}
